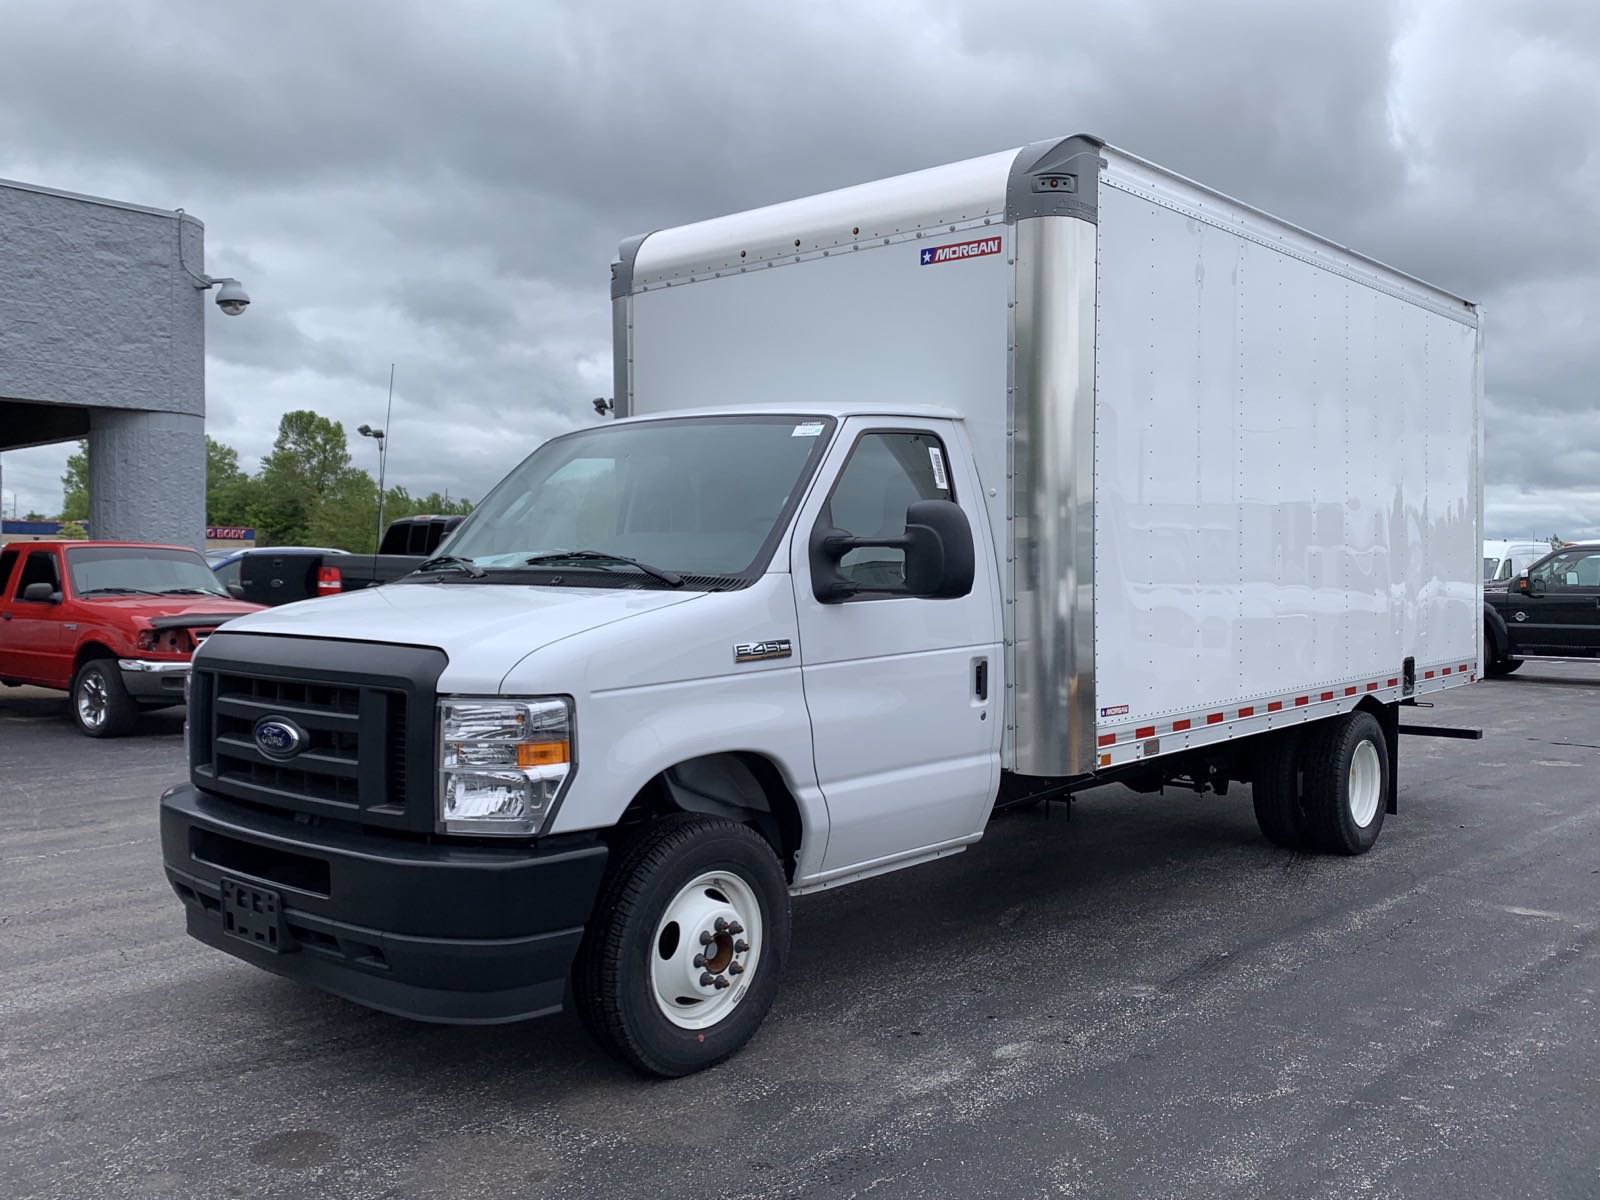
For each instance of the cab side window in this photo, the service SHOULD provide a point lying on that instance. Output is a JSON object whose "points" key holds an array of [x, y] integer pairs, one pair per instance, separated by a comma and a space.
{"points": [[39, 567], [1577, 569], [886, 473], [8, 560]]}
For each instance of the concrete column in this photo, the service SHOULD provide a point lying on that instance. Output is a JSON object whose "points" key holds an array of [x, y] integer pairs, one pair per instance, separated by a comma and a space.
{"points": [[147, 477]]}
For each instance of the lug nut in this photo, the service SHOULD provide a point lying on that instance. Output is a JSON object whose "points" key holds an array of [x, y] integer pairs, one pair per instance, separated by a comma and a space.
{"points": [[721, 925], [736, 928], [722, 983], [699, 960], [707, 937], [707, 979], [735, 968], [741, 946]]}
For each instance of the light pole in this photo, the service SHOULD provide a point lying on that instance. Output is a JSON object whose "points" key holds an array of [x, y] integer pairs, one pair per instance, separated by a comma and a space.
{"points": [[383, 451], [383, 458]]}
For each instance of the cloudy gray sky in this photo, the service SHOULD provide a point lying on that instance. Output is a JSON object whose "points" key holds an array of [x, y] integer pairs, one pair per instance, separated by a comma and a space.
{"points": [[443, 186]]}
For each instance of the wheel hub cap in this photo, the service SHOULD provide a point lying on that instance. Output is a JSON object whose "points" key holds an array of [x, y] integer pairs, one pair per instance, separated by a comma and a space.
{"points": [[706, 950], [1365, 784]]}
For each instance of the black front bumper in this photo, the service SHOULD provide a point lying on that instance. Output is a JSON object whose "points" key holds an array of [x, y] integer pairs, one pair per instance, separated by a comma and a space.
{"points": [[460, 934]]}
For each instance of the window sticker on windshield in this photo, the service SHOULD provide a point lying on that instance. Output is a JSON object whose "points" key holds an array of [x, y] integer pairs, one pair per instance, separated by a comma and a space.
{"points": [[807, 429], [940, 479]]}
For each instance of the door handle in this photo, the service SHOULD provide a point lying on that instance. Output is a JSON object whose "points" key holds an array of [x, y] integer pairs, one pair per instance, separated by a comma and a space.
{"points": [[980, 679]]}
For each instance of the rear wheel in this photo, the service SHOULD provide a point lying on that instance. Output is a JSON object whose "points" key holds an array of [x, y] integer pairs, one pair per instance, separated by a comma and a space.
{"points": [[682, 959], [100, 703], [1275, 790], [1345, 766]]}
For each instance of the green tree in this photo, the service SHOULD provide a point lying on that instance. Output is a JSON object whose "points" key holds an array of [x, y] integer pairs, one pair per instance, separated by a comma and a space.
{"points": [[347, 515], [309, 460], [75, 485], [228, 488], [73, 531]]}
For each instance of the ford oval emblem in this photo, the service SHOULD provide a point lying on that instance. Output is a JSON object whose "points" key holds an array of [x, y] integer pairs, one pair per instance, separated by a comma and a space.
{"points": [[279, 737]]}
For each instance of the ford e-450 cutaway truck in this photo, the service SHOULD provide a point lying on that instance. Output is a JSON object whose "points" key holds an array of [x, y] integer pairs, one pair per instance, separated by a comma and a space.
{"points": [[991, 482]]}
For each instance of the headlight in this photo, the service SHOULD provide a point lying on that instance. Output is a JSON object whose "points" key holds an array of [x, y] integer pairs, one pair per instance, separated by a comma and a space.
{"points": [[502, 763]]}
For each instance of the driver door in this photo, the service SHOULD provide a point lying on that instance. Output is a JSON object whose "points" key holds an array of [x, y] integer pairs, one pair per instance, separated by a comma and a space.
{"points": [[900, 689]]}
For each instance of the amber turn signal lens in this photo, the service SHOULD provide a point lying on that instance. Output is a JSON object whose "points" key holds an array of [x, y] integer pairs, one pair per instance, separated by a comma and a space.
{"points": [[543, 754]]}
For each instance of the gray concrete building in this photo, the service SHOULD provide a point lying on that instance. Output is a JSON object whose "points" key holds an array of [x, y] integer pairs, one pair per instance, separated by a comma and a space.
{"points": [[102, 336]]}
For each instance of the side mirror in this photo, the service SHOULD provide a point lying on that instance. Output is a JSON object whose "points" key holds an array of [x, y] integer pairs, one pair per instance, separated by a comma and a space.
{"points": [[41, 593], [1532, 585], [940, 562], [236, 590]]}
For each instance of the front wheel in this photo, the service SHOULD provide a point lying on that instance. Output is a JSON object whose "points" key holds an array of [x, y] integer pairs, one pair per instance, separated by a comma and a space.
{"points": [[1496, 668], [682, 959], [100, 702]]}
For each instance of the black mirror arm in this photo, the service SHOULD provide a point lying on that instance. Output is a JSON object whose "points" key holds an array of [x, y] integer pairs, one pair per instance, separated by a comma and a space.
{"points": [[832, 547]]}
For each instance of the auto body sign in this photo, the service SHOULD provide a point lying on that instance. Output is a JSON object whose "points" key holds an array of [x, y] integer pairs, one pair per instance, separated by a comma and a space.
{"points": [[957, 251]]}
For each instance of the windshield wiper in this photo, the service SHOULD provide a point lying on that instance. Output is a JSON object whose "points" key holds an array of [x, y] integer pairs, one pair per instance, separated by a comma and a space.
{"points": [[670, 578], [189, 591], [452, 562], [103, 591]]}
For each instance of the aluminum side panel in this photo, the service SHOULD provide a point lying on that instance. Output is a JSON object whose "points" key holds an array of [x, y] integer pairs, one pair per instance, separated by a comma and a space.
{"points": [[1286, 471]]}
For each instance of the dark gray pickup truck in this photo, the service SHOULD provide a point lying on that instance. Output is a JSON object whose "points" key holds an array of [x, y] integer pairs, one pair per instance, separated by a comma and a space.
{"points": [[299, 573]]}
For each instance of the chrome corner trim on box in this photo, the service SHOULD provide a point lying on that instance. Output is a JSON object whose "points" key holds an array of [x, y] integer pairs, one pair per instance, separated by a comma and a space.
{"points": [[1052, 652]]}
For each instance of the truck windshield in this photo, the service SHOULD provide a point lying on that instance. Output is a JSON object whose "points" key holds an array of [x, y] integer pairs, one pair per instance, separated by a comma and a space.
{"points": [[104, 570], [696, 496]]}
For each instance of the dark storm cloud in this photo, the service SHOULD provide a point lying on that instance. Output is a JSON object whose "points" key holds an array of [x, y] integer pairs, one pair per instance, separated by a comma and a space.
{"points": [[443, 186]]}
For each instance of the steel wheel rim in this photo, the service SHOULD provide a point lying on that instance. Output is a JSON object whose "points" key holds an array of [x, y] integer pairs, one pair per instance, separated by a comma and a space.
{"points": [[709, 919], [1365, 784], [92, 700]]}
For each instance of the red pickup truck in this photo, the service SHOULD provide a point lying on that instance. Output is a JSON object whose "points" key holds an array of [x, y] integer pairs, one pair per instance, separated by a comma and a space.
{"points": [[113, 623]]}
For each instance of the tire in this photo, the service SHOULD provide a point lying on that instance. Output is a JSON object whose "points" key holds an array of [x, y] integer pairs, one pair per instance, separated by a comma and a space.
{"points": [[1345, 770], [101, 706], [638, 961], [1498, 668], [1275, 791]]}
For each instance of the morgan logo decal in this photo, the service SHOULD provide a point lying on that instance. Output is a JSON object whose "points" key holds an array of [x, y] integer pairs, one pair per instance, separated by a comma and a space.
{"points": [[1116, 710], [745, 652], [956, 251]]}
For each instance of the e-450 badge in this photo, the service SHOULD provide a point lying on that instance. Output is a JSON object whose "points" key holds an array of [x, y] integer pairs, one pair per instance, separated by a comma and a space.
{"points": [[744, 652]]}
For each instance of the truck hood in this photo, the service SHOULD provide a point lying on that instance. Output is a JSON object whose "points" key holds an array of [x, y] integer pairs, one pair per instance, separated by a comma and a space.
{"points": [[173, 606], [484, 629]]}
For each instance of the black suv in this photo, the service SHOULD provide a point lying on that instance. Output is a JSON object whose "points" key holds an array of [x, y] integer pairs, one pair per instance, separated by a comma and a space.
{"points": [[1551, 610]]}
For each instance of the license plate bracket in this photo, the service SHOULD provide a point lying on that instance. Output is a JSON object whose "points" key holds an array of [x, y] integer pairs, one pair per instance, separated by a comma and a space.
{"points": [[253, 914]]}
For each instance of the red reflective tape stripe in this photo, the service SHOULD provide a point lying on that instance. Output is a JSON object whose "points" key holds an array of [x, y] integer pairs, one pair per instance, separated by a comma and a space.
{"points": [[1145, 731], [1327, 695], [1372, 687], [1427, 674], [1275, 706], [1179, 726], [1394, 683], [1462, 667], [1349, 691], [1447, 670], [1107, 739], [1213, 718], [1299, 700], [1247, 712]]}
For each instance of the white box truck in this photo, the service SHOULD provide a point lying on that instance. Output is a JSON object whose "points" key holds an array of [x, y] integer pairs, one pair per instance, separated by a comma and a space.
{"points": [[992, 482]]}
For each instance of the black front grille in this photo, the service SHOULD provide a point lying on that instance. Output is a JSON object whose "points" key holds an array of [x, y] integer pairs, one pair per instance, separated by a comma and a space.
{"points": [[365, 712]]}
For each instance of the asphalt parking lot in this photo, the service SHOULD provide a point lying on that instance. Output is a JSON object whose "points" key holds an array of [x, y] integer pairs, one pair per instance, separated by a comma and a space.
{"points": [[1144, 1000]]}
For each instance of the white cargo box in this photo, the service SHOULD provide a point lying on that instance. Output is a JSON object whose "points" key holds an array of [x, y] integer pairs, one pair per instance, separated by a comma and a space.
{"points": [[1232, 467]]}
